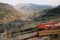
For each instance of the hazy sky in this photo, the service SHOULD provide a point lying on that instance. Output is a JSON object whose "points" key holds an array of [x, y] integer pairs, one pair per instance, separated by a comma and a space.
{"points": [[44, 2]]}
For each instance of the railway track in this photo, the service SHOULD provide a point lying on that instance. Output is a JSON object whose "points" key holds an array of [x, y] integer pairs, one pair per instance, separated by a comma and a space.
{"points": [[28, 36]]}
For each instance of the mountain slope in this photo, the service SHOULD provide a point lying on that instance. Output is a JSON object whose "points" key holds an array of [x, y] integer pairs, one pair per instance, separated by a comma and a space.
{"points": [[51, 15], [8, 13]]}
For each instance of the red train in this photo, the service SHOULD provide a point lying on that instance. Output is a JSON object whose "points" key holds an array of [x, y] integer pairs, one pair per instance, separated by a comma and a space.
{"points": [[49, 26]]}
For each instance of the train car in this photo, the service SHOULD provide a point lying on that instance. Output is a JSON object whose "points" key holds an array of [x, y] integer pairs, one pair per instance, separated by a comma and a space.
{"points": [[49, 26]]}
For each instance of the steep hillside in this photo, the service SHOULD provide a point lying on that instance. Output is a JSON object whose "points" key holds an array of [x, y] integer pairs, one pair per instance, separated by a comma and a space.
{"points": [[8, 13], [51, 15]]}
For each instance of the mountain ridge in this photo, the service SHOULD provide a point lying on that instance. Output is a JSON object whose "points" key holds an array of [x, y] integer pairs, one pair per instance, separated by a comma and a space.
{"points": [[29, 10], [32, 6]]}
